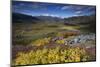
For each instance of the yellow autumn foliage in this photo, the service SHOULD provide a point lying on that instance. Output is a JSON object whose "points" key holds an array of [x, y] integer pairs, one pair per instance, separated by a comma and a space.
{"points": [[60, 41], [54, 55], [42, 41]]}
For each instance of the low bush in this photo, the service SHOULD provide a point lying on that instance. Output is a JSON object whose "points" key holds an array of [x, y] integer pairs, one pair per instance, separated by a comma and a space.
{"points": [[60, 41], [40, 42], [67, 34], [54, 55]]}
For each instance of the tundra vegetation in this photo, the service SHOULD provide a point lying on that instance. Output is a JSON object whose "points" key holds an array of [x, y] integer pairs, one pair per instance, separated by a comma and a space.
{"points": [[46, 42]]}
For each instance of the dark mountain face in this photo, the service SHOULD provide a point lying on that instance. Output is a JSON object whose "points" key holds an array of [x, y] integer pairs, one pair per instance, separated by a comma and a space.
{"points": [[80, 20], [88, 21], [17, 18], [50, 18]]}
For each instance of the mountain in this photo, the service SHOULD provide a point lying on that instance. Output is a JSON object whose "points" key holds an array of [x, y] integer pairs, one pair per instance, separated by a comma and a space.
{"points": [[50, 18], [80, 20], [77, 20], [88, 21], [17, 17]]}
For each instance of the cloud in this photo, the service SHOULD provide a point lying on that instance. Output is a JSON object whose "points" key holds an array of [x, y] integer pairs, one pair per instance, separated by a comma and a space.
{"points": [[78, 12], [33, 6], [90, 9], [77, 15], [53, 15], [65, 7], [45, 14], [73, 7]]}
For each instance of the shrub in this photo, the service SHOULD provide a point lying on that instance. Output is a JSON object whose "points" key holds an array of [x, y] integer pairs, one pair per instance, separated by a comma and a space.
{"points": [[68, 33], [60, 41], [42, 41], [54, 55]]}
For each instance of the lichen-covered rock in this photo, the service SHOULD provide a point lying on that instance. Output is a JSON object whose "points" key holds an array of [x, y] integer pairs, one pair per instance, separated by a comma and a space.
{"points": [[83, 38]]}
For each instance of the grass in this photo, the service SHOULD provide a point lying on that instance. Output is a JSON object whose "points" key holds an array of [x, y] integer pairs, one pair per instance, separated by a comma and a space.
{"points": [[70, 27], [36, 31], [40, 34]]}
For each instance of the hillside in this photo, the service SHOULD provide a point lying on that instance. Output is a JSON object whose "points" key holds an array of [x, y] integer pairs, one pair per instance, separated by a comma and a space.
{"points": [[18, 17], [80, 19]]}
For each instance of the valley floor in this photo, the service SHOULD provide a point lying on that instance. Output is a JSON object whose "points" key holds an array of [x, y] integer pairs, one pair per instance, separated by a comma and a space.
{"points": [[52, 43]]}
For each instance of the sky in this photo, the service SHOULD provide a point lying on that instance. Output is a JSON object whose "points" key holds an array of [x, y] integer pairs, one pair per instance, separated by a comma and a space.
{"points": [[51, 9]]}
